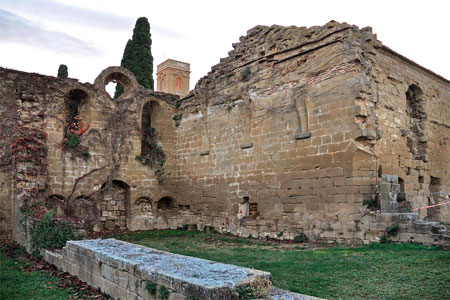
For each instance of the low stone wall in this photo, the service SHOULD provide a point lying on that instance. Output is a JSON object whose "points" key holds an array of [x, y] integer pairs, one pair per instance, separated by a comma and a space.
{"points": [[128, 271]]}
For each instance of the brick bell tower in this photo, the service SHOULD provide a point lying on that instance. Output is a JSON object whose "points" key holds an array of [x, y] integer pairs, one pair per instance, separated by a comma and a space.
{"points": [[173, 77]]}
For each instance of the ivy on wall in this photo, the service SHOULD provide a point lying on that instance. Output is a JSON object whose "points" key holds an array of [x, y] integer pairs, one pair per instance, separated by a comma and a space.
{"points": [[152, 154]]}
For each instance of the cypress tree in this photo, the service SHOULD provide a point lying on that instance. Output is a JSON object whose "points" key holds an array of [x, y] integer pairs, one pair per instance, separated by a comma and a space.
{"points": [[62, 71], [137, 56]]}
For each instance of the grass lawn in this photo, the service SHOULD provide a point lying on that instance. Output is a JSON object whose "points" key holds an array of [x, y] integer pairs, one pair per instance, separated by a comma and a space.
{"points": [[376, 271], [18, 282]]}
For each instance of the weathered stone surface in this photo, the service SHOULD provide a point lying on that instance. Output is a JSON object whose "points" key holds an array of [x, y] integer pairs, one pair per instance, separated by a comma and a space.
{"points": [[127, 268]]}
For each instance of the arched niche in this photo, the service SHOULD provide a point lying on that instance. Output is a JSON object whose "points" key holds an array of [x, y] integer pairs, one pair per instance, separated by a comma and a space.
{"points": [[143, 207], [166, 206]]}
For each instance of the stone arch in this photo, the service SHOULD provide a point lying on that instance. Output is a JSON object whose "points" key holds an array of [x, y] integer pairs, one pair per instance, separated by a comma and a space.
{"points": [[118, 75], [416, 111], [114, 204], [142, 191], [57, 203], [121, 176], [162, 194]]}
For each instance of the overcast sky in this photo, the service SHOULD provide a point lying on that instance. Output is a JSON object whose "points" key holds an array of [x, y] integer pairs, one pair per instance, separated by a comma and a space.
{"points": [[90, 35]]}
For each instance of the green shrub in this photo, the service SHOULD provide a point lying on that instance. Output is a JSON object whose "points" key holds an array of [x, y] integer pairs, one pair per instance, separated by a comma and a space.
{"points": [[370, 203], [245, 75], [190, 297], [301, 238], [72, 140], [62, 71], [86, 155], [384, 239], [163, 292], [249, 292], [392, 230], [150, 287], [245, 292], [50, 233]]}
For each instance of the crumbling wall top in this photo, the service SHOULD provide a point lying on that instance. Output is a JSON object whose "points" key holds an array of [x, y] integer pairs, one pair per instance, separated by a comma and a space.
{"points": [[264, 42]]}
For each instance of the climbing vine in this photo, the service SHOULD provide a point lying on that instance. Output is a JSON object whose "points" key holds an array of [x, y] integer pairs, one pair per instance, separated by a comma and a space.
{"points": [[30, 150], [152, 154]]}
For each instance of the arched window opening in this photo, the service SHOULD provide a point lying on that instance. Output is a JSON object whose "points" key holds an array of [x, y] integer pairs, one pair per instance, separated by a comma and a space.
{"points": [[75, 126], [73, 103], [151, 152], [117, 85], [415, 103], [178, 84], [162, 85]]}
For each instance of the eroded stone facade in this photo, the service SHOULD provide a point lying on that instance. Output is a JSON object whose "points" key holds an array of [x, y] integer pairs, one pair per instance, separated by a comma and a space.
{"points": [[289, 134]]}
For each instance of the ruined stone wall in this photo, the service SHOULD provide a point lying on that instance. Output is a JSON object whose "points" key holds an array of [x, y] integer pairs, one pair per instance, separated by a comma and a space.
{"points": [[288, 135], [267, 140], [412, 111], [7, 116], [23, 144], [98, 180], [6, 208], [295, 128]]}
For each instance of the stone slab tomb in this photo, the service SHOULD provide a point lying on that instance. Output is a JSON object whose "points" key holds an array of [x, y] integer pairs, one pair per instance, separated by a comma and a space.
{"points": [[127, 271]]}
